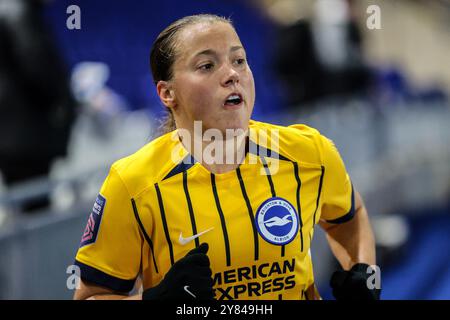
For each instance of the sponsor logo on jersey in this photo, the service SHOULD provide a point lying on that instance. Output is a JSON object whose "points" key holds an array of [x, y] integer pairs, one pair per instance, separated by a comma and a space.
{"points": [[277, 221], [93, 224], [255, 280]]}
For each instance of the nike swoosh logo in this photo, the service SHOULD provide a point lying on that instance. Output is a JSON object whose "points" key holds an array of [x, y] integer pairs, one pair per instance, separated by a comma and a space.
{"points": [[184, 241], [187, 290]]}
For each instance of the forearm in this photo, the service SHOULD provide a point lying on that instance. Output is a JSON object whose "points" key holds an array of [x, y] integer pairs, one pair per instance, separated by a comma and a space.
{"points": [[353, 241], [91, 291]]}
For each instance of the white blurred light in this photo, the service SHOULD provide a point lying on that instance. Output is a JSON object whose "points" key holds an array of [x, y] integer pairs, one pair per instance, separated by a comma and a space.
{"points": [[390, 231], [89, 78], [331, 11], [62, 197]]}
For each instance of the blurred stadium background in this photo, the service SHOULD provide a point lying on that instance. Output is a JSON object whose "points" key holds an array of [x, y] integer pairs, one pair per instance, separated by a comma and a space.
{"points": [[72, 101]]}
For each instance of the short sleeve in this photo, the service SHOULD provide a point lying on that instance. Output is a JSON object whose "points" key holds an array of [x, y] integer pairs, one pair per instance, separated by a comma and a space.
{"points": [[110, 250], [338, 203]]}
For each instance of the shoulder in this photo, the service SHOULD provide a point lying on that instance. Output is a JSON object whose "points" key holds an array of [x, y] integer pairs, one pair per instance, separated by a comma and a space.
{"points": [[146, 166], [297, 142]]}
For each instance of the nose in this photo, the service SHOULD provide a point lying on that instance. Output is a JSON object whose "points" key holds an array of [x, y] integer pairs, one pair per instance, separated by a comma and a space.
{"points": [[231, 76]]}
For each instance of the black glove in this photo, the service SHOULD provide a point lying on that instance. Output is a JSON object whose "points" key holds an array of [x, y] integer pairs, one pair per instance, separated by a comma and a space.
{"points": [[352, 285], [188, 279]]}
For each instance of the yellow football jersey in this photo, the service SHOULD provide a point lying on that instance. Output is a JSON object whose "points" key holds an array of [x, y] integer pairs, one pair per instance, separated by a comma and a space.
{"points": [[258, 219]]}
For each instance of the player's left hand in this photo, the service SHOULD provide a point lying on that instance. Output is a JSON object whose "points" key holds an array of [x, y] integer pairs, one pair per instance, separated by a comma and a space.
{"points": [[353, 284]]}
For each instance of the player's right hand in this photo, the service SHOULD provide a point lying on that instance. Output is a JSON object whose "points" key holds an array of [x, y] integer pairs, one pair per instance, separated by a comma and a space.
{"points": [[188, 279]]}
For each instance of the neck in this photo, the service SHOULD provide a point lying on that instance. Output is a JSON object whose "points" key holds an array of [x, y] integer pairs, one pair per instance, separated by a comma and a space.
{"points": [[217, 153]]}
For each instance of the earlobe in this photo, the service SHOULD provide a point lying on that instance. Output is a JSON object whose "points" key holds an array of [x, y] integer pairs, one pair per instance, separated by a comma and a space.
{"points": [[166, 94]]}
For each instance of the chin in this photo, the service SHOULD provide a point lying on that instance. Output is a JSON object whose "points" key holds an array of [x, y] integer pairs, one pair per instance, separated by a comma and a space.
{"points": [[237, 124], [235, 121]]}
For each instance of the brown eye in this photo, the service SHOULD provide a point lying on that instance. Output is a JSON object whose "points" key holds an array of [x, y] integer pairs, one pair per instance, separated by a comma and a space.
{"points": [[240, 61], [206, 66]]}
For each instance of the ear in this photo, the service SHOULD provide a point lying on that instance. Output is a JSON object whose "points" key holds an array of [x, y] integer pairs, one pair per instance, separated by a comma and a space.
{"points": [[166, 93]]}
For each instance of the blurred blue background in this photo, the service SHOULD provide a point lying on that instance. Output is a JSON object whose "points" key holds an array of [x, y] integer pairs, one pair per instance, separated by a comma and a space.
{"points": [[380, 94]]}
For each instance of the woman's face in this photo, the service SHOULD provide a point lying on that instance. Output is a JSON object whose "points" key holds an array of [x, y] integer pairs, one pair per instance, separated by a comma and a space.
{"points": [[212, 81]]}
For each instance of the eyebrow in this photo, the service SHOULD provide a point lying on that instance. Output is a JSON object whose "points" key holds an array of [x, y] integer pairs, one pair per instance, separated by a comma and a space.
{"points": [[212, 52]]}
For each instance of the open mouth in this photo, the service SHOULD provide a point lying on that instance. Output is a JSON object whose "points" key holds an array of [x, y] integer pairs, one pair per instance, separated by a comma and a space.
{"points": [[233, 99]]}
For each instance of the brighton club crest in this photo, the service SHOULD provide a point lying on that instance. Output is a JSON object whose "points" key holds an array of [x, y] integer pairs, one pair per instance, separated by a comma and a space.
{"points": [[277, 221]]}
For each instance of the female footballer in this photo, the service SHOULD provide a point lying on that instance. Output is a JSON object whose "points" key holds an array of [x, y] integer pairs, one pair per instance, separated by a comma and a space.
{"points": [[221, 206]]}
